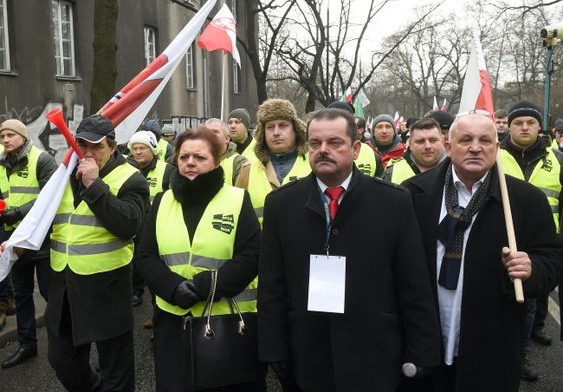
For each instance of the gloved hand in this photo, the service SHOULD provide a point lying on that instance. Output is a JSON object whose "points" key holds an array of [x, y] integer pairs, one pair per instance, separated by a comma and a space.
{"points": [[185, 295], [11, 216], [281, 368]]}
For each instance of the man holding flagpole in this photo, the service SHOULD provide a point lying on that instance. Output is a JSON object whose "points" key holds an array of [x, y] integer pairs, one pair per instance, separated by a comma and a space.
{"points": [[101, 211]]}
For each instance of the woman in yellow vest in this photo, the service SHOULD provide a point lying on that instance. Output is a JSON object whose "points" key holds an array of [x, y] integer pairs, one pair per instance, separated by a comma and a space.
{"points": [[197, 226]]}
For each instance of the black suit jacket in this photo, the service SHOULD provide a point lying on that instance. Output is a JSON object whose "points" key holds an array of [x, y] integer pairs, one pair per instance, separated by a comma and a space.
{"points": [[389, 316], [491, 320]]}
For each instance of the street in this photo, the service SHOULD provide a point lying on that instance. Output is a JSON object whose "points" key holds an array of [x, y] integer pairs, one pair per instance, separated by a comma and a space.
{"points": [[37, 375]]}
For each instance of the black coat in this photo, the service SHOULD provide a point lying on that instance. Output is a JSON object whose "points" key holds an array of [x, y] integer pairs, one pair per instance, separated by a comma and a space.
{"points": [[389, 315], [491, 320], [100, 304]]}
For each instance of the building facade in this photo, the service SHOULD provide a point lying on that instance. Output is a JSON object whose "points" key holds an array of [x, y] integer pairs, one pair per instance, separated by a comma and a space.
{"points": [[46, 60]]}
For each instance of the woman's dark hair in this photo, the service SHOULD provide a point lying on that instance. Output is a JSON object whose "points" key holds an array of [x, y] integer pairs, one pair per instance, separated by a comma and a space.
{"points": [[204, 134]]}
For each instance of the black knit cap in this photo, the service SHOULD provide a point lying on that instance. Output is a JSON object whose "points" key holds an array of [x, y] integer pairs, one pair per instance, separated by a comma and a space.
{"points": [[524, 108], [443, 118]]}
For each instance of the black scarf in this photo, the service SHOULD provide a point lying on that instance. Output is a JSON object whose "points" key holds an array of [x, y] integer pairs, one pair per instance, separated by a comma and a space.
{"points": [[453, 226]]}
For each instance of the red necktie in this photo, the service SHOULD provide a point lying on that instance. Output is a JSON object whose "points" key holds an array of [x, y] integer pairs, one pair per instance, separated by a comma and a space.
{"points": [[333, 194]]}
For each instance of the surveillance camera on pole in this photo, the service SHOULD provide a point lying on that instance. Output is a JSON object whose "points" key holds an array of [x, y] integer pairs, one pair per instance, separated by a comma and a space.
{"points": [[552, 34]]}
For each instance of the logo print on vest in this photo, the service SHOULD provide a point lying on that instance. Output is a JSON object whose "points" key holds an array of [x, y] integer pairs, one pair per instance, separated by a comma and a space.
{"points": [[547, 165], [23, 173], [224, 223], [365, 168], [152, 181]]}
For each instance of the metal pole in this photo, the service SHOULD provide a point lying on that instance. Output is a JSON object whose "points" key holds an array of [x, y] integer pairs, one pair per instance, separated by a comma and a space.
{"points": [[547, 93]]}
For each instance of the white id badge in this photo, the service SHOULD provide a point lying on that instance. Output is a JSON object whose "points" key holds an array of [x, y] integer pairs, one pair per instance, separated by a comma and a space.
{"points": [[327, 283]]}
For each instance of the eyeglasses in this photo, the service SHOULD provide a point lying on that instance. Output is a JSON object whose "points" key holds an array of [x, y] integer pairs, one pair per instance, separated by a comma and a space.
{"points": [[476, 111]]}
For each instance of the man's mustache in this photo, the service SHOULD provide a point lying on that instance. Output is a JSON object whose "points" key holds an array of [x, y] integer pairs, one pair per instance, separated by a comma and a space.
{"points": [[324, 158]]}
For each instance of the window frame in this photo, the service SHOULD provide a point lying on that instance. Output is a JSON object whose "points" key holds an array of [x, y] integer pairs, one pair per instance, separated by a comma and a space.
{"points": [[4, 38], [60, 38], [149, 47]]}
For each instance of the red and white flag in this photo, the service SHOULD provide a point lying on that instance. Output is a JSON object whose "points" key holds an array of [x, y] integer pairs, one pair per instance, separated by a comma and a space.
{"points": [[476, 93], [126, 110], [397, 120], [435, 105], [129, 107], [221, 34], [444, 105]]}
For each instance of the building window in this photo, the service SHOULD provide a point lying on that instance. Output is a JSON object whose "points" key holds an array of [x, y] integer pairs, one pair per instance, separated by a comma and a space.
{"points": [[4, 41], [190, 68], [150, 45], [236, 77], [64, 38]]}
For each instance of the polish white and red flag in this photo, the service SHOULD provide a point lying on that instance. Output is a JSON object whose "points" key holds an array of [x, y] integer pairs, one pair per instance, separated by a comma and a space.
{"points": [[444, 105], [221, 34], [126, 110], [435, 104], [397, 120], [476, 93]]}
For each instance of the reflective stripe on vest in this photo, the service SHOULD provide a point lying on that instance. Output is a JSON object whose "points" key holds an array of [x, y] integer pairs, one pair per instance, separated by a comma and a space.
{"points": [[401, 171], [162, 147], [227, 165], [545, 177], [80, 241], [22, 187], [366, 162], [155, 178], [212, 246], [259, 186]]}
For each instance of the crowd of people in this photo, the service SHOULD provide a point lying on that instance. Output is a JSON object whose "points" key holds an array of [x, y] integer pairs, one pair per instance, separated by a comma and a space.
{"points": [[286, 218]]}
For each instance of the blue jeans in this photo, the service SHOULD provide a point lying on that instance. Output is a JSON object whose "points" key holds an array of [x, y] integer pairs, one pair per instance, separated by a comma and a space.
{"points": [[23, 277], [528, 324]]}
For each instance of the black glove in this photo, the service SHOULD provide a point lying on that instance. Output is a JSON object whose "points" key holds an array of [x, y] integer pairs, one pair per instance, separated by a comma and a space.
{"points": [[185, 295], [11, 216]]}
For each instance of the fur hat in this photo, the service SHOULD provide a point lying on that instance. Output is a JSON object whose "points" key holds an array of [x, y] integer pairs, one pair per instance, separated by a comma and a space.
{"points": [[14, 125], [242, 114], [383, 118], [524, 108], [278, 109], [144, 137]]}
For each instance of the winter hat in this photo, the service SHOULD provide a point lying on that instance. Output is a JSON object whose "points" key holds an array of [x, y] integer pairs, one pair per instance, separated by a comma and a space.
{"points": [[278, 109], [383, 118], [443, 118], [94, 129], [14, 125], [154, 127], [558, 124], [411, 121], [342, 105], [144, 137], [241, 114], [168, 130], [524, 108]]}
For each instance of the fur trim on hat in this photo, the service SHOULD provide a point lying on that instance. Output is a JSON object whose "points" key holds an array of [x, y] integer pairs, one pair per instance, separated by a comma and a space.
{"points": [[278, 109]]}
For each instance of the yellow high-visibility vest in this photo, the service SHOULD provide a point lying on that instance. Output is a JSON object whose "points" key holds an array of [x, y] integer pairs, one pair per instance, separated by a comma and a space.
{"points": [[80, 241], [366, 162], [155, 178], [212, 245]]}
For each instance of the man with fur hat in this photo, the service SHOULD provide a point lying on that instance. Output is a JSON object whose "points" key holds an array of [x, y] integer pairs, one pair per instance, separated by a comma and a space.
{"points": [[281, 150], [239, 124], [528, 156], [387, 143], [235, 165], [101, 211], [24, 171]]}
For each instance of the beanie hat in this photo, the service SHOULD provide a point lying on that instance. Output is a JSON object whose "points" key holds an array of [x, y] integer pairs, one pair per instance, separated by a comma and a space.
{"points": [[558, 124], [154, 127], [411, 121], [443, 118], [384, 118], [278, 109], [14, 125], [342, 105], [168, 130], [524, 108], [241, 114], [144, 137]]}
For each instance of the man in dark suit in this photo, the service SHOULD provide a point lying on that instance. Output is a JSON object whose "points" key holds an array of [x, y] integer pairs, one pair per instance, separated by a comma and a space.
{"points": [[381, 313], [460, 213]]}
